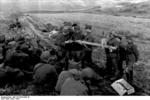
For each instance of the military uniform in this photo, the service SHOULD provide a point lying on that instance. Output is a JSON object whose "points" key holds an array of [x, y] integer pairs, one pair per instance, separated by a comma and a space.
{"points": [[70, 49], [34, 54], [61, 79], [17, 59], [2, 48], [122, 55], [77, 33], [60, 42], [45, 78], [63, 36], [73, 87], [112, 57], [132, 56], [88, 49], [2, 52]]}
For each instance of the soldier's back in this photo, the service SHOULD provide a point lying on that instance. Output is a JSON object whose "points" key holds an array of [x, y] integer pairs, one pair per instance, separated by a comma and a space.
{"points": [[73, 87]]}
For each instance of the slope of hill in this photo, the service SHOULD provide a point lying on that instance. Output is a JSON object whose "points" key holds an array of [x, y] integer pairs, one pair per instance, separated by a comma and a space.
{"points": [[135, 27], [138, 28], [96, 9], [141, 9], [32, 27], [138, 9]]}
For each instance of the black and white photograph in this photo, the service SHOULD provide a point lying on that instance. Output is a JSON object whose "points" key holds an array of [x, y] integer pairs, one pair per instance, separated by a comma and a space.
{"points": [[74, 48]]}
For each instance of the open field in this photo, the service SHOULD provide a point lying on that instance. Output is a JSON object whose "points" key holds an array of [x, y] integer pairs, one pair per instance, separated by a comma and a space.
{"points": [[101, 22], [138, 28]]}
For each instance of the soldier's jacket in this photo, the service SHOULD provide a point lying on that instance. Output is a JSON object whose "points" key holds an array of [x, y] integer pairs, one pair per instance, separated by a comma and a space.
{"points": [[122, 48], [88, 38], [60, 39], [14, 74], [17, 59], [88, 48], [132, 51], [45, 56], [2, 47], [2, 38], [24, 47], [112, 42], [74, 64], [77, 35], [9, 39], [11, 45], [74, 73], [31, 50], [3, 77], [45, 74], [73, 87], [19, 38], [123, 43], [89, 74], [35, 55], [2, 52], [71, 35], [61, 79], [10, 75]]}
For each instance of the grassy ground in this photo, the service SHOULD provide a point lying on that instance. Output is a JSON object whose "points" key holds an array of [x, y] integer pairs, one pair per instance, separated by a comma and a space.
{"points": [[138, 28], [101, 22]]}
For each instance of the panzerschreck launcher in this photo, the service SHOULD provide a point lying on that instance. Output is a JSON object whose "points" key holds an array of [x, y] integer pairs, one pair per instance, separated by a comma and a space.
{"points": [[111, 48]]}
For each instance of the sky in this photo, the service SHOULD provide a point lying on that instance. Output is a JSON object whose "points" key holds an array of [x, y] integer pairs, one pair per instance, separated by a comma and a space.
{"points": [[82, 2], [10, 5], [75, 1]]}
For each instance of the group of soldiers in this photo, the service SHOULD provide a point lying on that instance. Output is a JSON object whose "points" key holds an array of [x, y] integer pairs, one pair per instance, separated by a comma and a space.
{"points": [[120, 50], [122, 58], [67, 69]]}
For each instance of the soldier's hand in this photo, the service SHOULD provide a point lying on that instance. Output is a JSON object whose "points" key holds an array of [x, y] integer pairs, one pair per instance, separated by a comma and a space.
{"points": [[69, 41], [79, 41], [126, 70], [136, 64], [113, 48], [66, 41]]}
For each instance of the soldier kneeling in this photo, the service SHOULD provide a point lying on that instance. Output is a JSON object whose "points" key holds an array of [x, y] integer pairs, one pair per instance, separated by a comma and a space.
{"points": [[70, 83], [44, 76]]}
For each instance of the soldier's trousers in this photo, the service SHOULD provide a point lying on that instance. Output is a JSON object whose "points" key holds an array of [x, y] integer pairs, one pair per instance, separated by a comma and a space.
{"points": [[87, 58], [112, 67], [129, 72], [120, 68], [129, 64]]}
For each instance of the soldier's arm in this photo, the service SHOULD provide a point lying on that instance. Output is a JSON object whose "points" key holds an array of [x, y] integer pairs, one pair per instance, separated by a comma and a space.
{"points": [[136, 52], [59, 41]]}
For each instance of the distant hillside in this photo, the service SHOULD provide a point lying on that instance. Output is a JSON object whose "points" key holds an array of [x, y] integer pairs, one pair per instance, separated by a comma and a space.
{"points": [[96, 9], [125, 9], [140, 8], [13, 7]]}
